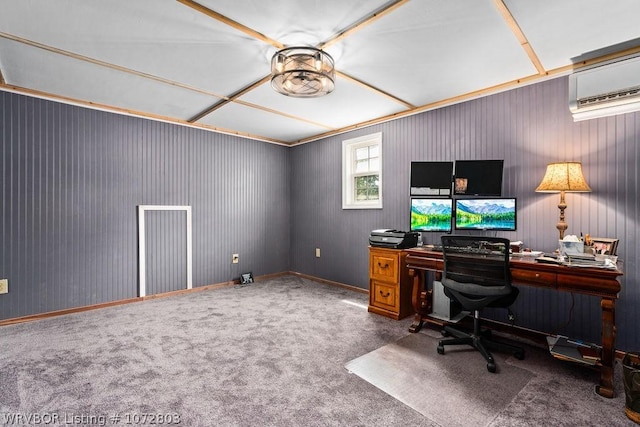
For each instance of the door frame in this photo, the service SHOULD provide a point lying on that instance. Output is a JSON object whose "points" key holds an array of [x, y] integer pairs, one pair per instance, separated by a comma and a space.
{"points": [[142, 266]]}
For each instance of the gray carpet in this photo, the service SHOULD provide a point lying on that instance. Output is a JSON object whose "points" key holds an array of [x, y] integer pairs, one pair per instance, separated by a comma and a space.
{"points": [[411, 371], [267, 354]]}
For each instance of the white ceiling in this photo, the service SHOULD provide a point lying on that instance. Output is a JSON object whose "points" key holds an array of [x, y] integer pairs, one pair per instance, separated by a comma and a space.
{"points": [[176, 60]]}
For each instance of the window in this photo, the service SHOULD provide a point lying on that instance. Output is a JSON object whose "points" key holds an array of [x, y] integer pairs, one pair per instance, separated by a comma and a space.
{"points": [[362, 172]]}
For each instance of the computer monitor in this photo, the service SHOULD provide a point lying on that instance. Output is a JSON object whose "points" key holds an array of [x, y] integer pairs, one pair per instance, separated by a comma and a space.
{"points": [[486, 214], [478, 178], [431, 178], [431, 214]]}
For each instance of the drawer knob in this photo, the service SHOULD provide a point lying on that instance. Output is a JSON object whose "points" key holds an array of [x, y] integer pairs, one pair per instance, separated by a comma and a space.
{"points": [[383, 266], [537, 275], [385, 296]]}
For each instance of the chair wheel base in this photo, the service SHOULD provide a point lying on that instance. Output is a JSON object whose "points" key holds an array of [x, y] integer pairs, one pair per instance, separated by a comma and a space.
{"points": [[491, 367], [440, 349]]}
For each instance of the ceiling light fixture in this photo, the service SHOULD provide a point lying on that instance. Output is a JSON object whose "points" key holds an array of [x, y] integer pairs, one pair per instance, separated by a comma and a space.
{"points": [[302, 72]]}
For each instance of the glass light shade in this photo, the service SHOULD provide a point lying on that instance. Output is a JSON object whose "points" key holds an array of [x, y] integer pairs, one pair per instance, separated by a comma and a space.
{"points": [[302, 72]]}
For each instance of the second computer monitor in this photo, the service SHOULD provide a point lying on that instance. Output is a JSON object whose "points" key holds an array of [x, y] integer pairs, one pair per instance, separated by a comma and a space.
{"points": [[486, 214]]}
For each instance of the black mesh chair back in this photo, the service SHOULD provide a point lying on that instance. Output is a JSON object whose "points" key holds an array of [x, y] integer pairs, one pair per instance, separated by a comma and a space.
{"points": [[477, 275], [476, 270]]}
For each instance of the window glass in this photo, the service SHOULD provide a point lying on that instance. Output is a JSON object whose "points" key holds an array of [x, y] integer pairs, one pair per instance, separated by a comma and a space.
{"points": [[362, 172]]}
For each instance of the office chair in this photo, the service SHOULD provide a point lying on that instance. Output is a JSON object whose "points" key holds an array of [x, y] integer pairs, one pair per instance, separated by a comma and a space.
{"points": [[476, 275]]}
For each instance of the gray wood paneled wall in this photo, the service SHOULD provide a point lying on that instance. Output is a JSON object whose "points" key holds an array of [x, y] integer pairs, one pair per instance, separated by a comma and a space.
{"points": [[527, 127], [71, 179]]}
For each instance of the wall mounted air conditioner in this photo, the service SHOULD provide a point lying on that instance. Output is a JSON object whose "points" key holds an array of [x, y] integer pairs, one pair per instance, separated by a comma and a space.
{"points": [[605, 90]]}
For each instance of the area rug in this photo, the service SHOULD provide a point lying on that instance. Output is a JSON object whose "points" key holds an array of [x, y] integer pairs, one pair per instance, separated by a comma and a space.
{"points": [[454, 389]]}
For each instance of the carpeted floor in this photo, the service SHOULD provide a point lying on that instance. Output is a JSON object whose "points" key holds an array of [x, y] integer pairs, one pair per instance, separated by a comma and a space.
{"points": [[411, 371], [272, 353], [459, 391]]}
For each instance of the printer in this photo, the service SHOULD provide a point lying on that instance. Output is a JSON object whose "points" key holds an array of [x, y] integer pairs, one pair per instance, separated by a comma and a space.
{"points": [[393, 239]]}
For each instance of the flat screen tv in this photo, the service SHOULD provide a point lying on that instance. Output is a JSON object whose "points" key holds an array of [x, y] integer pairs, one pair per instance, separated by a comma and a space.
{"points": [[486, 214], [431, 214], [431, 178], [478, 178]]}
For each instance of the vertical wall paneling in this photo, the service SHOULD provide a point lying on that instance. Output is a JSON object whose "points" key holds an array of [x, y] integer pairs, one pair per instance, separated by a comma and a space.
{"points": [[527, 127], [71, 179]]}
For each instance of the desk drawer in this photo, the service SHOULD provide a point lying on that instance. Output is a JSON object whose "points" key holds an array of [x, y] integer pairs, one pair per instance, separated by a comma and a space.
{"points": [[384, 295], [384, 267], [541, 278]]}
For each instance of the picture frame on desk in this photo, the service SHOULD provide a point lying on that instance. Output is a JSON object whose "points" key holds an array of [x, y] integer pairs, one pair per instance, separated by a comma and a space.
{"points": [[604, 246]]}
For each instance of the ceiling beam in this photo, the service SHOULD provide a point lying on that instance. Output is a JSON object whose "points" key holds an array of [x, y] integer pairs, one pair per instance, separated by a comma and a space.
{"points": [[228, 99], [224, 99], [108, 65], [135, 113], [235, 98], [535, 78], [450, 101], [358, 25], [375, 89], [280, 113], [226, 20], [522, 39]]}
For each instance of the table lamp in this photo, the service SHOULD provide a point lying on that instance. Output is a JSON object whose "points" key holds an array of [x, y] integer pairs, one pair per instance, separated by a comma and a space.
{"points": [[561, 177]]}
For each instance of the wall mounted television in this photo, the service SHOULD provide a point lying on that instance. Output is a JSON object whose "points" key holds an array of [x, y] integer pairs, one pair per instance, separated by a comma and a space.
{"points": [[478, 178], [431, 178], [486, 214], [431, 214]]}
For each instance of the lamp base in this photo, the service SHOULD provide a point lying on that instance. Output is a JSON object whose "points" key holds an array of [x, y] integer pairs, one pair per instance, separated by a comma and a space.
{"points": [[562, 225]]}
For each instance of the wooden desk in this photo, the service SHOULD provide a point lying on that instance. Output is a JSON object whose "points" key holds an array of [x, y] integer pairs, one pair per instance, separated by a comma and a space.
{"points": [[526, 271]]}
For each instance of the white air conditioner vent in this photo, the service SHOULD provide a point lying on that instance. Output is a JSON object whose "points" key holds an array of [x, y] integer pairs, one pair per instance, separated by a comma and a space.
{"points": [[605, 90], [632, 92]]}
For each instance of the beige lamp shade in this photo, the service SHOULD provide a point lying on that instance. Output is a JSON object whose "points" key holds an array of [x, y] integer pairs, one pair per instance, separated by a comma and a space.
{"points": [[563, 176]]}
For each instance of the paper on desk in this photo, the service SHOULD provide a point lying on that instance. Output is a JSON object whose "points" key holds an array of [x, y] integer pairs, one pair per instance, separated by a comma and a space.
{"points": [[527, 254], [601, 267], [548, 260], [604, 264]]}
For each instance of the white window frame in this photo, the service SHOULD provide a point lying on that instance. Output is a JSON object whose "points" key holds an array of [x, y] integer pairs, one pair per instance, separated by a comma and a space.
{"points": [[349, 147]]}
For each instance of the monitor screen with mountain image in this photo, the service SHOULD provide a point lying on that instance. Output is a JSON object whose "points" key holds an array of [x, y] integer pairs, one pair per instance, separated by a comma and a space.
{"points": [[431, 214], [486, 214]]}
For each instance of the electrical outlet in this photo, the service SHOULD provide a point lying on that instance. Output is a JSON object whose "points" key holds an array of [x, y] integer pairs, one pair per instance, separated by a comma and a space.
{"points": [[235, 258], [4, 286], [317, 252]]}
